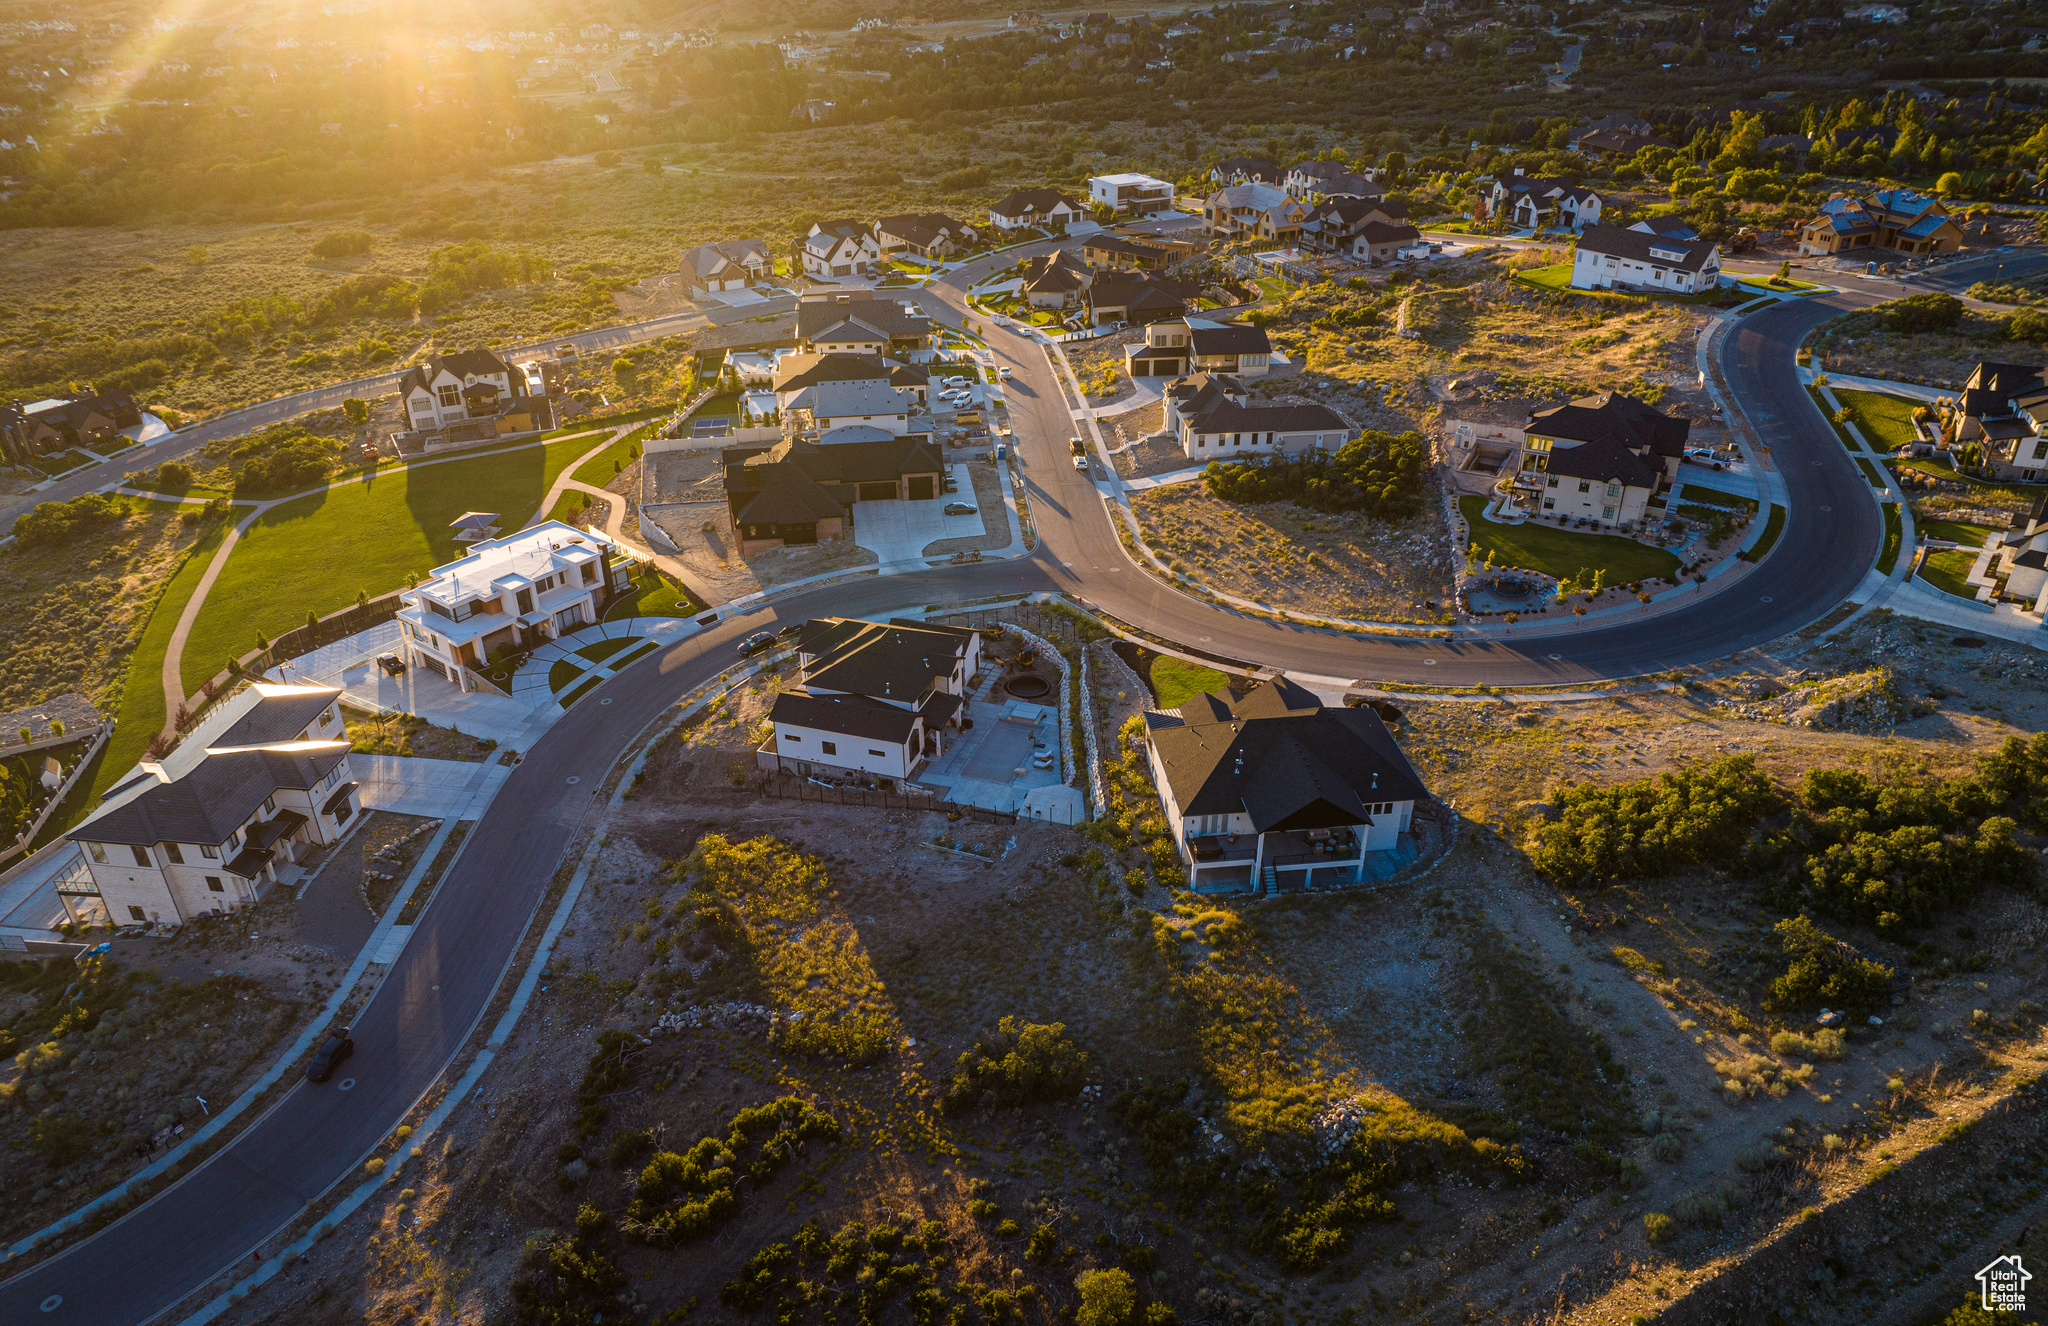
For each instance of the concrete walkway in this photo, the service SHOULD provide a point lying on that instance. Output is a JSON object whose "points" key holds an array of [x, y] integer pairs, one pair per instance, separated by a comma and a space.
{"points": [[530, 685], [1910, 390], [1162, 480], [565, 481], [1150, 392]]}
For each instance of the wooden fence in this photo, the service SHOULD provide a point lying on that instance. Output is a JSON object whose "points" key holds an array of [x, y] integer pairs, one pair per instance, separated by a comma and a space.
{"points": [[803, 789]]}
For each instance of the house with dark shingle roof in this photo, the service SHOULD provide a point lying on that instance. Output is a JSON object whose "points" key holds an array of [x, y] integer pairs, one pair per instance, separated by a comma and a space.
{"points": [[227, 812], [927, 234], [93, 418], [1044, 209], [467, 385], [1211, 416], [1625, 258], [1055, 280], [1537, 203], [874, 698], [1136, 298], [727, 265], [1599, 458], [800, 492], [857, 320], [2003, 408], [1244, 170], [1229, 347], [1269, 790]]}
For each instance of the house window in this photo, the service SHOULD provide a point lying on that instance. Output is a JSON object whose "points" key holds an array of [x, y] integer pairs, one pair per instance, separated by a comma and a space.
{"points": [[2041, 451], [450, 396], [342, 814], [214, 885], [590, 573], [135, 913], [270, 804], [141, 855], [1585, 487], [1613, 489], [873, 751], [830, 747], [1606, 513], [1549, 504], [327, 717], [98, 851], [176, 856], [792, 737], [210, 853]]}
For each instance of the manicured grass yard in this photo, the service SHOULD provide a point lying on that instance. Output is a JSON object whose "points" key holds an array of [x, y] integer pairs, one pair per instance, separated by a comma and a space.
{"points": [[658, 595], [563, 673], [599, 650], [602, 469], [581, 690], [1886, 421], [1870, 472], [315, 553], [1715, 497], [1777, 283], [1557, 276], [1563, 553], [1894, 537], [61, 462], [1178, 681], [1949, 570], [1970, 536]]}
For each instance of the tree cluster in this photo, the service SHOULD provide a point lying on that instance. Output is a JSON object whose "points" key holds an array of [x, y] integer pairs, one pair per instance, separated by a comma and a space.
{"points": [[1379, 473]]}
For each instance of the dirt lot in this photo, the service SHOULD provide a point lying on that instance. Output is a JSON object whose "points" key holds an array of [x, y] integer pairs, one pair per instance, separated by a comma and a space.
{"points": [[710, 559], [1145, 453], [1099, 365], [409, 734], [1278, 553], [1935, 359]]}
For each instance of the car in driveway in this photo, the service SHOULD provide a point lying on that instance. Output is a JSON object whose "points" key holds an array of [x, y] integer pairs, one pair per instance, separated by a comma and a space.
{"points": [[959, 509], [330, 1056], [1004, 372], [756, 642]]}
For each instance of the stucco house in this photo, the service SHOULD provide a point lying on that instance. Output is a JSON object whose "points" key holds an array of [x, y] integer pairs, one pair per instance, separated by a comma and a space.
{"points": [[1211, 416], [835, 249], [1598, 459], [455, 388], [872, 698], [1625, 257], [1039, 209], [727, 265]]}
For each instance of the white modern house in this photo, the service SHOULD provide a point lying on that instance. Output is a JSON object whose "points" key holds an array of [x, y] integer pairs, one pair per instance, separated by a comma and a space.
{"points": [[875, 698], [1130, 194], [841, 248], [452, 388], [1622, 257], [1046, 209], [508, 593], [1269, 790], [263, 776]]}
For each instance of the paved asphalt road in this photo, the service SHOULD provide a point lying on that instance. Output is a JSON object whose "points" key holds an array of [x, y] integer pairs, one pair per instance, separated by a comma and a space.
{"points": [[317, 1136], [236, 422]]}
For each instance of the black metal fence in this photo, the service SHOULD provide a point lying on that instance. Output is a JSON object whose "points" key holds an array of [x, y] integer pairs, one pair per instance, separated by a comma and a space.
{"points": [[802, 789]]}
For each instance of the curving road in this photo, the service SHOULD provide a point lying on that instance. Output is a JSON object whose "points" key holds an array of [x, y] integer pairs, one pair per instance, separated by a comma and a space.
{"points": [[316, 1136]]}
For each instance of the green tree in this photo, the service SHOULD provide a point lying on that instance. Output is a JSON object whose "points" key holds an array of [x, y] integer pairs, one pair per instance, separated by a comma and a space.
{"points": [[1107, 1298], [356, 411], [1949, 185], [1825, 972]]}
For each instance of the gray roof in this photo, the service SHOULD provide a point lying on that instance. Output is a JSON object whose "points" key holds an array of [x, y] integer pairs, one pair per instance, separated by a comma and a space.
{"points": [[1684, 255], [276, 718], [1280, 756], [214, 799], [1601, 461], [833, 400], [1230, 339], [1229, 417], [1032, 202], [817, 318], [853, 433], [1633, 423], [800, 371]]}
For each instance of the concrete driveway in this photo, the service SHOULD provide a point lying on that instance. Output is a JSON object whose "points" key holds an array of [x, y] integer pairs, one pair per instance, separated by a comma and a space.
{"points": [[899, 532]]}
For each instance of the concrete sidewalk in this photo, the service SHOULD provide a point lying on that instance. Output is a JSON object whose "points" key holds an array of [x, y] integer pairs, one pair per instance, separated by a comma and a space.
{"points": [[1187, 475], [1910, 390]]}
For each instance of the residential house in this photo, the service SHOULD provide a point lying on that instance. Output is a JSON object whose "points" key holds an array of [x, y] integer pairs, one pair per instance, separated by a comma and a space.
{"points": [[1268, 790], [1229, 347], [91, 419], [794, 372], [1210, 415], [797, 492], [263, 778], [1623, 257], [1313, 181], [1795, 147], [507, 594], [858, 320], [927, 234], [1130, 194], [1332, 225], [871, 698], [1254, 211], [1437, 49], [834, 249], [2021, 556], [2003, 408], [727, 265], [829, 405], [811, 110], [1107, 250], [1666, 227], [1619, 123], [452, 388], [1616, 144], [1899, 219], [1598, 459], [1056, 280], [1244, 170], [1036, 209], [1528, 202], [1163, 353], [1136, 298]]}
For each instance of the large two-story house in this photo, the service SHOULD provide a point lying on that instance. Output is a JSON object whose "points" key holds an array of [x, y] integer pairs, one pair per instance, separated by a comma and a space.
{"points": [[727, 264], [1254, 211], [1899, 219], [1315, 181], [858, 320], [264, 776], [1130, 194], [2020, 554], [873, 698], [1269, 790], [2003, 408], [835, 249], [801, 491], [1056, 280], [1634, 258], [1036, 209], [924, 234], [91, 419], [1535, 203], [1598, 459], [508, 593], [456, 388]]}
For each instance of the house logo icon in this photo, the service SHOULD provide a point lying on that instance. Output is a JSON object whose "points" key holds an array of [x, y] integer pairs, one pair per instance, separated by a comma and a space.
{"points": [[2005, 1284]]}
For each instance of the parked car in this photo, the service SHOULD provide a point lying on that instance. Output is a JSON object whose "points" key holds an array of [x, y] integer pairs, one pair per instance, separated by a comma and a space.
{"points": [[756, 642], [1081, 464], [1004, 373], [1077, 447], [391, 663], [329, 1056], [959, 509]]}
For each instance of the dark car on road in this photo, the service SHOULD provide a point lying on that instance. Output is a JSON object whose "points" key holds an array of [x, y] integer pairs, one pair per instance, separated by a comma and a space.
{"points": [[329, 1056], [757, 642]]}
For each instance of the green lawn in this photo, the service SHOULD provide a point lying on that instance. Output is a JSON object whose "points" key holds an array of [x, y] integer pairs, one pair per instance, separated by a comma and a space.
{"points": [[1948, 571], [1886, 421], [1970, 536], [141, 715], [317, 552], [1870, 472], [657, 595], [1821, 404], [1772, 529], [1178, 681], [599, 650], [1894, 535], [1562, 553], [601, 469], [2023, 492], [61, 462], [1778, 283], [725, 405], [578, 692], [1715, 497], [1557, 276], [563, 673]]}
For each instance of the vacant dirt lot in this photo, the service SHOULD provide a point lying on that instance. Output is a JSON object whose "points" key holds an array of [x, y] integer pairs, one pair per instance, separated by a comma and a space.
{"points": [[1280, 554]]}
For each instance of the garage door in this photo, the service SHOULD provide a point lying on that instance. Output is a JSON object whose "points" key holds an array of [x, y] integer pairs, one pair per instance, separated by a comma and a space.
{"points": [[921, 488], [878, 492]]}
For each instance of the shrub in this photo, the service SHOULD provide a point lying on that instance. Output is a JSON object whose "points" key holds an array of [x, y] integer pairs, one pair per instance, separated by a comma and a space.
{"points": [[567, 1279], [1650, 827], [1917, 314], [1107, 1298], [1379, 473], [1829, 1044], [1659, 1226], [1710, 1205], [628, 1145], [1667, 1147], [49, 524], [1825, 972], [1018, 1063], [174, 476], [1043, 1245], [343, 244]]}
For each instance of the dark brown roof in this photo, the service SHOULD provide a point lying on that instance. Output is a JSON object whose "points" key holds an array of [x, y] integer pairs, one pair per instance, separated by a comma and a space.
{"points": [[1601, 461], [852, 715], [898, 660], [1684, 255], [1229, 339], [1633, 423], [214, 799]]}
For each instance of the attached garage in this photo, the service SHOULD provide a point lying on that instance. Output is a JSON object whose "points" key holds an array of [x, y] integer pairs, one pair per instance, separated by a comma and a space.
{"points": [[922, 488], [879, 492]]}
